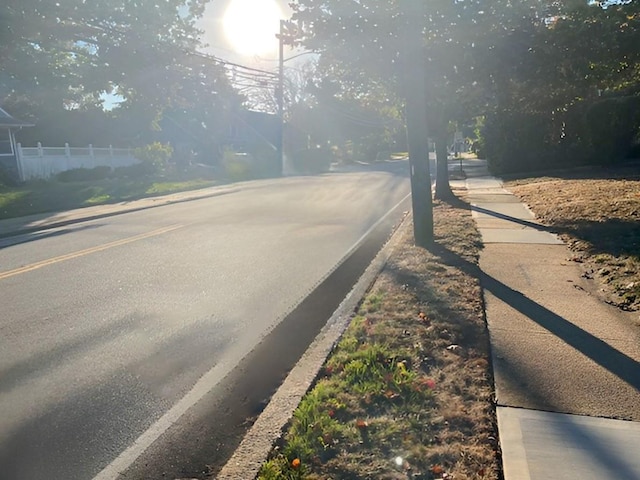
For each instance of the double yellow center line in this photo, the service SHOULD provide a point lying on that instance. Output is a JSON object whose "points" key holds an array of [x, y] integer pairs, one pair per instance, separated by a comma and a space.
{"points": [[87, 251]]}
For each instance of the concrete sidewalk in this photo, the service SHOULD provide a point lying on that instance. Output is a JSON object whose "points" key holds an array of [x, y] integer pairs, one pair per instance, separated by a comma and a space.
{"points": [[566, 365]]}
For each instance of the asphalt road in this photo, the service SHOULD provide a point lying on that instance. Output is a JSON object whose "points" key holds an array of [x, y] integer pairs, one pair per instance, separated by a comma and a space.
{"points": [[118, 328]]}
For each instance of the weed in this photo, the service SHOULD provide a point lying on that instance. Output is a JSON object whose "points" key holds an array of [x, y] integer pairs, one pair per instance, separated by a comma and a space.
{"points": [[372, 303]]}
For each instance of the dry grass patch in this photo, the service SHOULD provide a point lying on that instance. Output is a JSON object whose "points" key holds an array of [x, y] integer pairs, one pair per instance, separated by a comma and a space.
{"points": [[407, 393], [598, 214]]}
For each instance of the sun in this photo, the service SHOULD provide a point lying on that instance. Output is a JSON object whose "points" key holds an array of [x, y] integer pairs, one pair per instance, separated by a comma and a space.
{"points": [[251, 25]]}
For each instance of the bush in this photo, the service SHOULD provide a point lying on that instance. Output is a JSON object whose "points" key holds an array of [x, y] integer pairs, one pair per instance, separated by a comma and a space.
{"points": [[237, 166], [599, 132], [611, 125], [634, 152], [84, 174], [6, 179], [156, 155], [137, 170], [372, 147], [312, 161], [267, 160]]}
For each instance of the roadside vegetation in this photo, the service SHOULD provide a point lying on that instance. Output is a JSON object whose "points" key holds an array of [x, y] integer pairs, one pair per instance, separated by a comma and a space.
{"points": [[82, 187], [597, 213], [56, 195], [407, 392]]}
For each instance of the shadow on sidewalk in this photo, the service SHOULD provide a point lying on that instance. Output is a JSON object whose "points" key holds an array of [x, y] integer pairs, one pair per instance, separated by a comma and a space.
{"points": [[611, 359], [519, 221], [616, 362]]}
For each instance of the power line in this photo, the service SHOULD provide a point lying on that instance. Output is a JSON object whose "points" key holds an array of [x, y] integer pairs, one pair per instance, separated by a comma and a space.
{"points": [[223, 62]]}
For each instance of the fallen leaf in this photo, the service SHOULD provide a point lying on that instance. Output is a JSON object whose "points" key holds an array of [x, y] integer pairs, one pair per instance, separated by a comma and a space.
{"points": [[430, 382], [390, 394]]}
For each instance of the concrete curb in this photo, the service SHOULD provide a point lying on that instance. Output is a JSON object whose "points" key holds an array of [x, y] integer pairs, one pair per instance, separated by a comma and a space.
{"points": [[156, 202], [252, 452]]}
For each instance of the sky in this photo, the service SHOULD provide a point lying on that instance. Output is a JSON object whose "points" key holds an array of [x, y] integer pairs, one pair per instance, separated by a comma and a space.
{"points": [[214, 36], [219, 45]]}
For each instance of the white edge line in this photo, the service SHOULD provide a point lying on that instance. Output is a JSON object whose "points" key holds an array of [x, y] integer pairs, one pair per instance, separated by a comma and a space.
{"points": [[204, 385], [144, 441]]}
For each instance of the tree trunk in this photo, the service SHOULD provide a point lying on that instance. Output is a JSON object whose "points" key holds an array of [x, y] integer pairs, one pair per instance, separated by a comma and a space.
{"points": [[414, 80], [443, 189], [420, 177]]}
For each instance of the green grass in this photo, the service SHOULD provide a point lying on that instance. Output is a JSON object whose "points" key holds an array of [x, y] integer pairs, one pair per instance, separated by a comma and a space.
{"points": [[52, 196], [372, 302], [365, 397]]}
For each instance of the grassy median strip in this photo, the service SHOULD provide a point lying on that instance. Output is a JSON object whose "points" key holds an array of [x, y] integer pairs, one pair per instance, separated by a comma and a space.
{"points": [[407, 392]]}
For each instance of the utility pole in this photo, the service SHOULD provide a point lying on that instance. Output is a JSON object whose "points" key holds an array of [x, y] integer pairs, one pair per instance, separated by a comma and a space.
{"points": [[414, 81], [280, 94]]}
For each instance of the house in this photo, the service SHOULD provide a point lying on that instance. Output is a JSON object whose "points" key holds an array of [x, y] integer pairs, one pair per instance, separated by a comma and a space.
{"points": [[8, 151], [249, 128]]}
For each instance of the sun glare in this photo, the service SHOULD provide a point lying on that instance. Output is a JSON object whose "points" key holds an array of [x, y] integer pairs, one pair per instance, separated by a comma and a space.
{"points": [[251, 25]]}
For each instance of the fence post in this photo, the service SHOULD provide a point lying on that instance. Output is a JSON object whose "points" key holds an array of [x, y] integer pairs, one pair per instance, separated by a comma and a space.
{"points": [[19, 162], [67, 153]]}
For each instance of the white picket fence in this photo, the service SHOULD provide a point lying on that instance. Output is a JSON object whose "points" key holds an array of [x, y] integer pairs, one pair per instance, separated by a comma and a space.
{"points": [[45, 162]]}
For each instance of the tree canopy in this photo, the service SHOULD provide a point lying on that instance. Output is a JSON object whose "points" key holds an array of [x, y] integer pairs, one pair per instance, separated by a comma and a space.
{"points": [[503, 60], [61, 57]]}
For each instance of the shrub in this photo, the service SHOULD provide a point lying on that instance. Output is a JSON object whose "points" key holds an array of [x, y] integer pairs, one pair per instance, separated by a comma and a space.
{"points": [[237, 166], [313, 160], [137, 170], [372, 147], [156, 155], [611, 124], [6, 179], [600, 132], [84, 174], [634, 151], [267, 160]]}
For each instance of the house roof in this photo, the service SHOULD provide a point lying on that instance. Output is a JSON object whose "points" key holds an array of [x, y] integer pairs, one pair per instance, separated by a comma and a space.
{"points": [[7, 121], [264, 125]]}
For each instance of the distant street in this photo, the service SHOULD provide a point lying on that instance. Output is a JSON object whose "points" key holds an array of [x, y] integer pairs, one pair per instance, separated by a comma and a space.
{"points": [[107, 325]]}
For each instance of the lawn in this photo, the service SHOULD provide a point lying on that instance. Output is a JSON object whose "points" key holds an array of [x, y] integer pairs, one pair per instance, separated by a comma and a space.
{"points": [[54, 196], [597, 213]]}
